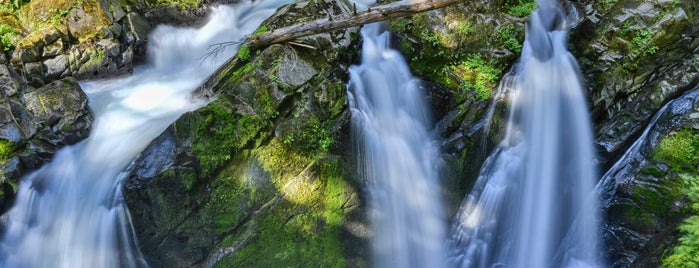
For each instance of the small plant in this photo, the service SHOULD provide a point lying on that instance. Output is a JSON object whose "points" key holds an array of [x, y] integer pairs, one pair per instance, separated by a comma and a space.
{"points": [[509, 35], [641, 40], [523, 9], [244, 53], [260, 30], [686, 252], [8, 37]]}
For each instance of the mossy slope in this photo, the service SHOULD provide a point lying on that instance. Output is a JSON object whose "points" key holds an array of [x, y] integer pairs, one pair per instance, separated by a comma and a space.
{"points": [[253, 179]]}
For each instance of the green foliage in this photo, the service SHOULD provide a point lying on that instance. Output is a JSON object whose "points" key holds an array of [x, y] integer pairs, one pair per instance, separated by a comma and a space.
{"points": [[17, 4], [312, 138], [6, 149], [510, 38], [260, 30], [8, 37], [608, 3], [479, 75], [642, 39], [522, 9], [452, 67], [686, 252], [680, 151], [244, 52]]}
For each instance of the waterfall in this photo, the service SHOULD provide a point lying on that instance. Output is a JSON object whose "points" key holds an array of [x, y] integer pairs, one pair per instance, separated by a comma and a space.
{"points": [[534, 203], [397, 156], [71, 213]]}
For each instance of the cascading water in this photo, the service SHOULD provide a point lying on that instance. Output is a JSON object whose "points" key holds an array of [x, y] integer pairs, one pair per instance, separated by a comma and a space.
{"points": [[70, 213], [533, 204], [397, 156]]}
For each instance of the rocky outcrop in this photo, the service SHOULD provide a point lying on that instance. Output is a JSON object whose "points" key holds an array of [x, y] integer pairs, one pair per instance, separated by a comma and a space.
{"points": [[257, 178], [636, 56], [87, 39], [645, 196], [34, 123]]}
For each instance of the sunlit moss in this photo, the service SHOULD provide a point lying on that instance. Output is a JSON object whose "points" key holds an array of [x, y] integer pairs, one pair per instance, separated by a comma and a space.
{"points": [[680, 151], [305, 234]]}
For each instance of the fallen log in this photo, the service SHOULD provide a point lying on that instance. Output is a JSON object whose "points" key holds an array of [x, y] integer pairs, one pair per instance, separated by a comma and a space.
{"points": [[356, 18]]}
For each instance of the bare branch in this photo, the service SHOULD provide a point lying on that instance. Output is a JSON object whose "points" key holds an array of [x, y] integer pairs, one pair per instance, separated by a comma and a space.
{"points": [[342, 21]]}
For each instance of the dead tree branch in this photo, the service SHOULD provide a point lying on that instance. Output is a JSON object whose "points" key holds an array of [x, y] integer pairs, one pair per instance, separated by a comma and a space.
{"points": [[374, 14]]}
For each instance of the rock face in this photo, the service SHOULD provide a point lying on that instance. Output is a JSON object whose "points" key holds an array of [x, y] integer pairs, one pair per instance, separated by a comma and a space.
{"points": [[636, 56], [34, 123], [90, 39], [257, 178], [645, 195]]}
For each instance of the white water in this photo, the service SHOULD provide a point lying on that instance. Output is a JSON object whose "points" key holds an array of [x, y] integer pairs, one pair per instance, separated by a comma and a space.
{"points": [[70, 213], [397, 156], [533, 204]]}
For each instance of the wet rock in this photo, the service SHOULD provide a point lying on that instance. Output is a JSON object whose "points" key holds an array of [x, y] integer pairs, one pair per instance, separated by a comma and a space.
{"points": [[644, 201], [59, 108], [636, 56], [256, 166], [55, 67]]}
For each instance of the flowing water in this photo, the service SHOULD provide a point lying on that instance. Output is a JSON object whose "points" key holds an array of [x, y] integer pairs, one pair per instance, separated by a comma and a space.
{"points": [[397, 156], [533, 204], [71, 213]]}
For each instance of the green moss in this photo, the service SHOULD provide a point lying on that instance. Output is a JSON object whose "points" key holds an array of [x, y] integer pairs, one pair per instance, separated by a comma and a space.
{"points": [[221, 132], [521, 8], [6, 149], [302, 234], [8, 37], [449, 58], [312, 138], [680, 151], [478, 75], [261, 29], [244, 52], [653, 171], [181, 4]]}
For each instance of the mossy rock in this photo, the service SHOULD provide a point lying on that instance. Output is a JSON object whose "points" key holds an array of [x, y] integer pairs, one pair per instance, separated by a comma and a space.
{"points": [[649, 193], [641, 50], [251, 179], [466, 47]]}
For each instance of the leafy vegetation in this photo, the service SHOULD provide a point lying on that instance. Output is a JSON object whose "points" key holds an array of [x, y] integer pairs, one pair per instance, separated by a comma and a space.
{"points": [[511, 38], [446, 58], [8, 37], [522, 8], [686, 252], [244, 52], [680, 151]]}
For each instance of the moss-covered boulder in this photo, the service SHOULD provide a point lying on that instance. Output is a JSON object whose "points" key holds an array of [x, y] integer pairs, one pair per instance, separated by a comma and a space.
{"points": [[636, 55], [646, 193], [48, 40], [35, 123], [257, 177]]}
